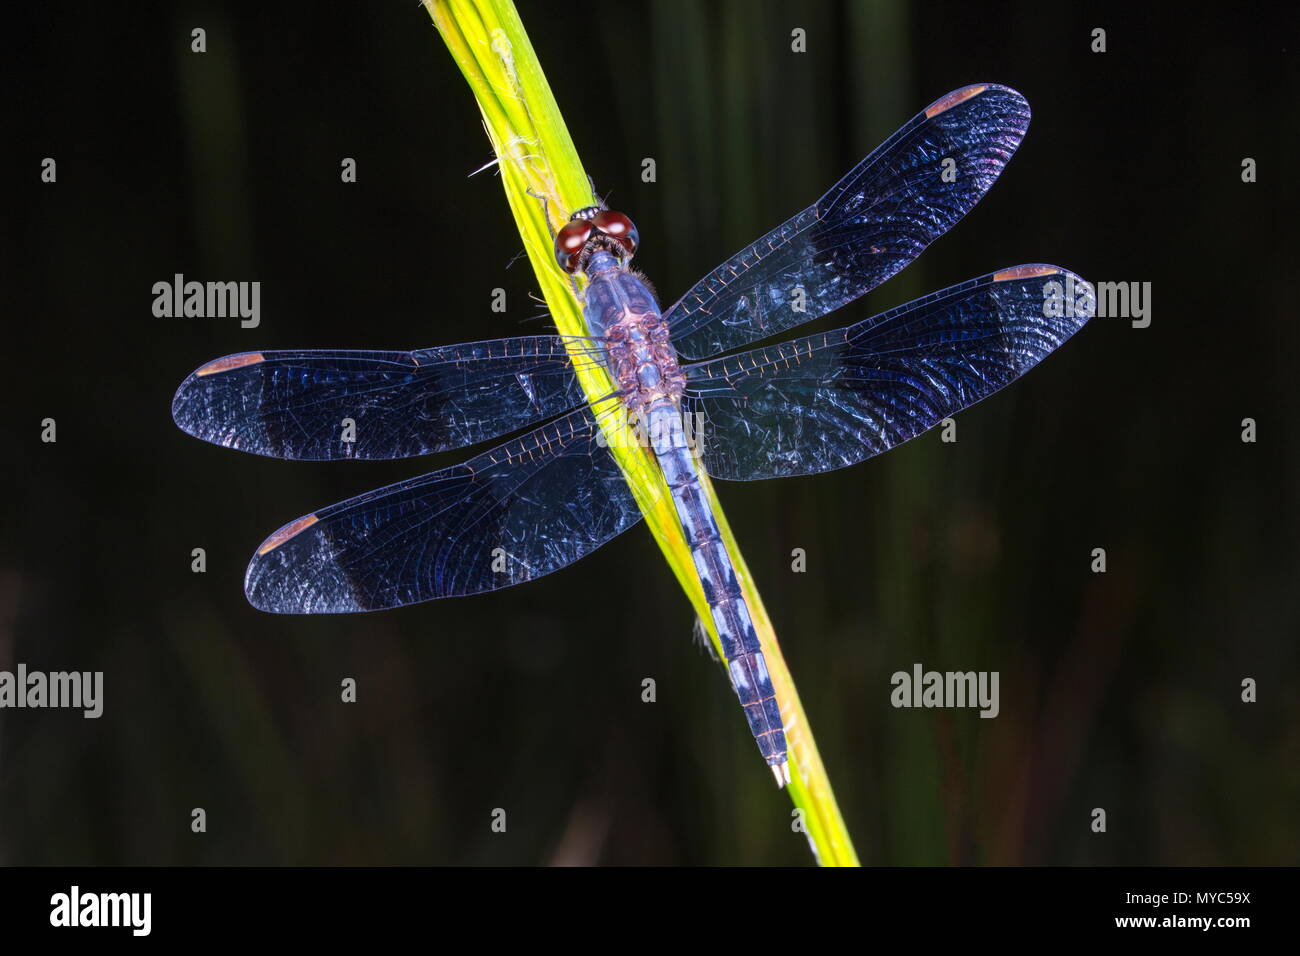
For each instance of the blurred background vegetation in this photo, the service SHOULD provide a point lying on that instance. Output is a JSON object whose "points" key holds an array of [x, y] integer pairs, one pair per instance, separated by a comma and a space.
{"points": [[1119, 690]]}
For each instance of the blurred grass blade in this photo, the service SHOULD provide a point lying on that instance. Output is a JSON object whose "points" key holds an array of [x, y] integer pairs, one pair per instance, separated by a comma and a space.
{"points": [[537, 158]]}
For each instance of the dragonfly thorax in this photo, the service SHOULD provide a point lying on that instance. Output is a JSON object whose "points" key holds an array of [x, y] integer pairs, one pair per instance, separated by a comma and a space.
{"points": [[622, 313], [643, 361]]}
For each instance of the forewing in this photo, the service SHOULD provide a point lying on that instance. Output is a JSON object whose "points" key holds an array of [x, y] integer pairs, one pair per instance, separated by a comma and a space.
{"points": [[908, 192], [515, 513], [307, 404], [833, 399]]}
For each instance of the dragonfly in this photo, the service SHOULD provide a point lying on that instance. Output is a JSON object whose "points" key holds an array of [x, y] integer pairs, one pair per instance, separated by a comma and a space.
{"points": [[553, 494]]}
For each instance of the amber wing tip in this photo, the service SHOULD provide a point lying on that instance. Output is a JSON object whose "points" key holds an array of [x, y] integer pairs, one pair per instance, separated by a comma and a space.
{"points": [[284, 534], [946, 103], [229, 362], [1033, 271]]}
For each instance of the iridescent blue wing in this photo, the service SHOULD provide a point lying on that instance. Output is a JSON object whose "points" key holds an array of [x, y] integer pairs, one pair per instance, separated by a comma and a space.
{"points": [[872, 223], [517, 512], [832, 399], [304, 405]]}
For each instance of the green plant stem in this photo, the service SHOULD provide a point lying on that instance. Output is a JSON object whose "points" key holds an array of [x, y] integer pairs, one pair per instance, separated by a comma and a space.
{"points": [[544, 180]]}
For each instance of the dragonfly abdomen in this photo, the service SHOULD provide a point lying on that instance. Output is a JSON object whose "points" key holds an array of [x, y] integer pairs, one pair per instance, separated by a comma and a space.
{"points": [[746, 666]]}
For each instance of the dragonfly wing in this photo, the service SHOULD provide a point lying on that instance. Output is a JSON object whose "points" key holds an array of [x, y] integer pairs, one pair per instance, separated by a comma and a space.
{"points": [[517, 512], [833, 399], [299, 404], [908, 192]]}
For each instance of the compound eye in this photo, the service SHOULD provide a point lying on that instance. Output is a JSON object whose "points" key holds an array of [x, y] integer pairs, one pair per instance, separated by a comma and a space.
{"points": [[569, 242], [619, 228]]}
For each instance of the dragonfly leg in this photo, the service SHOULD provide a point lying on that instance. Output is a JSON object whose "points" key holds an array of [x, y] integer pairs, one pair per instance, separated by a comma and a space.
{"points": [[546, 210]]}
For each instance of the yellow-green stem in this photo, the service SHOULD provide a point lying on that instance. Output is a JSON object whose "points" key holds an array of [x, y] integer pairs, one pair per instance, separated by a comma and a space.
{"points": [[537, 158]]}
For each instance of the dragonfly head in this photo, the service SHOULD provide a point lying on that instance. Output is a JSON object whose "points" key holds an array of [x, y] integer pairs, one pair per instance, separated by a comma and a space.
{"points": [[592, 229]]}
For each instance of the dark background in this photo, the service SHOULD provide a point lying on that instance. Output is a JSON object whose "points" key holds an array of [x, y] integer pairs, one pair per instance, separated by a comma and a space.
{"points": [[1119, 690]]}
